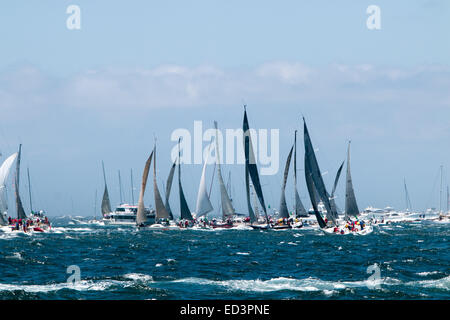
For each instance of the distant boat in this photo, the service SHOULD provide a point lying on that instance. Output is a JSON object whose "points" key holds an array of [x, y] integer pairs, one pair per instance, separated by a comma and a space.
{"points": [[351, 207], [162, 215]]}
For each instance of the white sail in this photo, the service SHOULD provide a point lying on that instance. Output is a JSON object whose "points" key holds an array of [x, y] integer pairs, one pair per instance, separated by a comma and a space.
{"points": [[227, 206], [4, 172], [203, 202]]}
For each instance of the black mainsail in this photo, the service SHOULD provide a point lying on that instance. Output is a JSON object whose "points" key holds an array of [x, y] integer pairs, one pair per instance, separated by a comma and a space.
{"points": [[20, 211], [141, 217], [251, 213], [316, 176], [351, 207], [184, 209], [169, 188], [299, 208], [106, 204], [250, 163], [283, 210]]}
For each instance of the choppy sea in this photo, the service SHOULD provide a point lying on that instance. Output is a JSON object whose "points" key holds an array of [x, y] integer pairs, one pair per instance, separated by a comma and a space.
{"points": [[398, 261]]}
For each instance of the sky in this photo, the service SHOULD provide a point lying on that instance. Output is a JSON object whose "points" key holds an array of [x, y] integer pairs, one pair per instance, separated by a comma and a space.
{"points": [[137, 70]]}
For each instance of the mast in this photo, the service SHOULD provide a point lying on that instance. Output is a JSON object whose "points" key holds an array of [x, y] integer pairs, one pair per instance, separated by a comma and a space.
{"points": [[407, 198], [120, 189], [440, 194], [29, 190], [132, 187]]}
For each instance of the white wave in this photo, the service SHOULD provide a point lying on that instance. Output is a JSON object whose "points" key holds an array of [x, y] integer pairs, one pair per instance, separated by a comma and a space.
{"points": [[243, 253], [443, 283], [16, 255], [138, 277], [424, 274], [278, 284]]}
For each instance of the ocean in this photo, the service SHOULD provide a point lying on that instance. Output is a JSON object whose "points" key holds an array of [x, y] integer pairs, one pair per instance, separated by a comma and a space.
{"points": [[87, 261]]}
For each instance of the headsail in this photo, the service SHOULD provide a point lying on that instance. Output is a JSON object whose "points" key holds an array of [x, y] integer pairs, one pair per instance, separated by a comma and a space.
{"points": [[227, 206], [106, 204], [316, 175], [169, 188], [299, 208], [161, 212], [4, 172], [351, 207], [336, 180], [20, 211], [250, 163], [141, 217], [283, 210], [184, 209], [203, 203]]}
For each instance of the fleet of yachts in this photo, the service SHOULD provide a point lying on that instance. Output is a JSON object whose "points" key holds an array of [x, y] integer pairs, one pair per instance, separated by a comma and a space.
{"points": [[323, 215]]}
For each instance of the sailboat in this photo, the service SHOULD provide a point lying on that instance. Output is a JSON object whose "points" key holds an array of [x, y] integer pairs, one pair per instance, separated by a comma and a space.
{"points": [[37, 221], [283, 214], [299, 209], [251, 173], [4, 172], [186, 219], [168, 189], [162, 215], [203, 206], [142, 218], [228, 211]]}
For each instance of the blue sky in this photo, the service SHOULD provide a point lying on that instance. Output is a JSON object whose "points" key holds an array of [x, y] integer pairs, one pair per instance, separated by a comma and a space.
{"points": [[139, 68]]}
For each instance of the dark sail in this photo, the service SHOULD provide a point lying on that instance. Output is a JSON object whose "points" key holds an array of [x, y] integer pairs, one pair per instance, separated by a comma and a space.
{"points": [[283, 210], [251, 164], [299, 208], [247, 189], [169, 188], [336, 180], [106, 204], [20, 211], [351, 207], [310, 187], [161, 212], [184, 209], [316, 174]]}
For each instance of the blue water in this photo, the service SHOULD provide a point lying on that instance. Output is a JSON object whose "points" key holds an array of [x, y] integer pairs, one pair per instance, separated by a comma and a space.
{"points": [[122, 263]]}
